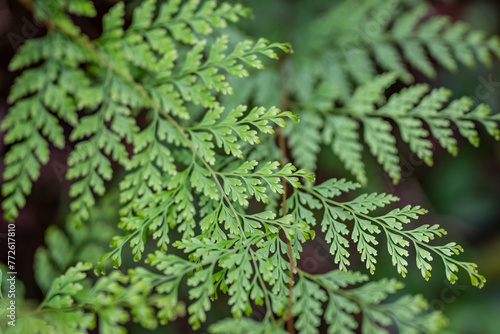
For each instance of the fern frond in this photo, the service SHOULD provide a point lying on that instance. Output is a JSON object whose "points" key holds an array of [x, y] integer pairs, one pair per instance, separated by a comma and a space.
{"points": [[151, 164], [39, 103], [190, 19], [152, 44], [170, 87], [246, 325], [410, 110], [90, 160], [408, 313], [158, 213], [241, 181], [420, 38], [147, 44], [306, 140], [235, 126], [365, 228], [243, 271], [75, 305]]}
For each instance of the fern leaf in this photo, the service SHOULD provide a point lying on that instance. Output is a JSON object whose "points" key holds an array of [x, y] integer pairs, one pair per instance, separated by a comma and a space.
{"points": [[410, 110], [33, 122], [366, 227], [421, 38]]}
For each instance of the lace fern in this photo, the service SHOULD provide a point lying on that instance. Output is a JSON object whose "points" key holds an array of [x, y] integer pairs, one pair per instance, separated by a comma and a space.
{"points": [[357, 50], [410, 109], [73, 305], [365, 227]]}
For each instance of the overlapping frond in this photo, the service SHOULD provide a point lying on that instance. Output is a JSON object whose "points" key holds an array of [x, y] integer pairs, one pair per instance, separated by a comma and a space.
{"points": [[242, 267], [359, 37], [112, 91], [419, 115], [344, 302], [74, 305], [42, 101]]}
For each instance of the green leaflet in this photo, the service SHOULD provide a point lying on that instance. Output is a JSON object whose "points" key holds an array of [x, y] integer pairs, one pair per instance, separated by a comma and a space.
{"points": [[420, 39], [411, 110], [355, 218], [233, 128]]}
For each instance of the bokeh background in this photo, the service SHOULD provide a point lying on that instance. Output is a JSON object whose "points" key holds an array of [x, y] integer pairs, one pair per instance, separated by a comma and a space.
{"points": [[462, 193]]}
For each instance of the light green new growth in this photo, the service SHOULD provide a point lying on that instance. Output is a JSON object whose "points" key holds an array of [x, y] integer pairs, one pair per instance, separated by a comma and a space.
{"points": [[200, 181]]}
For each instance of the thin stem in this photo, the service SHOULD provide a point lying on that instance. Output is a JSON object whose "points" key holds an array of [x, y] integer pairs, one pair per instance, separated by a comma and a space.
{"points": [[285, 102], [289, 317]]}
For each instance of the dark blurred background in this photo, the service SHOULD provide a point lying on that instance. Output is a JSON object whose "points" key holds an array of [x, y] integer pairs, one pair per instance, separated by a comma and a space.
{"points": [[462, 194]]}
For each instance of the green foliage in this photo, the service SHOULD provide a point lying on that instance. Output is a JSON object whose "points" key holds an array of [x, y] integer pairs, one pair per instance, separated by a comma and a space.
{"points": [[366, 227], [146, 104], [333, 81], [73, 305], [314, 290], [65, 248], [371, 33], [409, 109]]}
